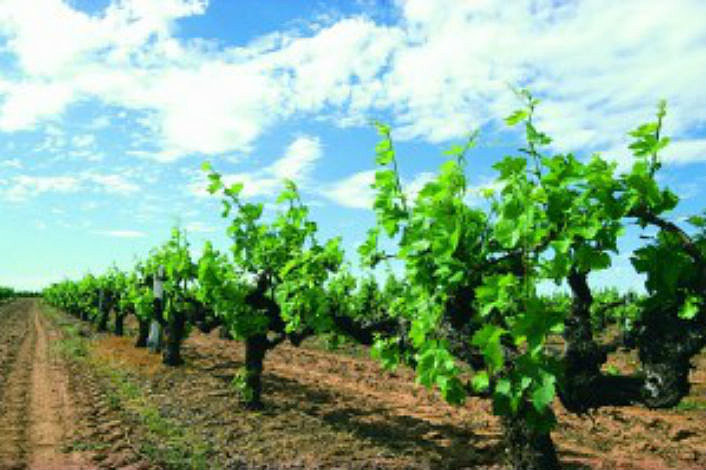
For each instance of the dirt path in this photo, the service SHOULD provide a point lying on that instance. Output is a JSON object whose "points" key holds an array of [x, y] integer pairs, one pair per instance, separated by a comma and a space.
{"points": [[36, 410]]}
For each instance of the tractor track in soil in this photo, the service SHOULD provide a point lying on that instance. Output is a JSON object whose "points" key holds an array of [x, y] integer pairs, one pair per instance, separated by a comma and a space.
{"points": [[36, 407]]}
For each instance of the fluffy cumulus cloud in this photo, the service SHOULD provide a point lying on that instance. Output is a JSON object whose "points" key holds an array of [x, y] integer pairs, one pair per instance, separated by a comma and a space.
{"points": [[59, 50], [203, 101], [356, 191], [298, 160], [686, 150], [25, 103], [442, 68], [599, 66], [296, 164]]}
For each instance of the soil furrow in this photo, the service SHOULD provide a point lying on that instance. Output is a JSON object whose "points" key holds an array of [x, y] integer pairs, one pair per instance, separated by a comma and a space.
{"points": [[15, 404], [36, 410], [51, 413]]}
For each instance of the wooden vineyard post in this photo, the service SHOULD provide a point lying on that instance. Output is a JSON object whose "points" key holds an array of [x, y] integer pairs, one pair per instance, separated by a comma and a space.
{"points": [[154, 341]]}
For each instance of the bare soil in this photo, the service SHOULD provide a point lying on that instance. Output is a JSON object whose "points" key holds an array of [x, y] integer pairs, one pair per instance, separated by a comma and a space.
{"points": [[36, 408], [324, 410], [338, 409]]}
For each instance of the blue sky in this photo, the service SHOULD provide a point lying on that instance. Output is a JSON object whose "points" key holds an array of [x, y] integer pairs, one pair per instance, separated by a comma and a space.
{"points": [[107, 108]]}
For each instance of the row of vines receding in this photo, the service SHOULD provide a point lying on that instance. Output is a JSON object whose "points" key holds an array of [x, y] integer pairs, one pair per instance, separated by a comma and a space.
{"points": [[470, 310]]}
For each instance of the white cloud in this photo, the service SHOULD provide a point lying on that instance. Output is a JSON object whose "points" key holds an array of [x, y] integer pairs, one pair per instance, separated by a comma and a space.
{"points": [[323, 68], [55, 140], [443, 69], [476, 193], [678, 152], [412, 188], [259, 183], [255, 184], [599, 66], [23, 187], [296, 164], [76, 38], [354, 192], [204, 101], [27, 102], [685, 151], [298, 160], [98, 123], [83, 140], [111, 183], [11, 163]]}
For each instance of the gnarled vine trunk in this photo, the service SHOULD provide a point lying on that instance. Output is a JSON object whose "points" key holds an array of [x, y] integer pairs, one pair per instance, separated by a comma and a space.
{"points": [[119, 327], [666, 346], [255, 349], [584, 386], [105, 304], [582, 357], [175, 329], [143, 331], [665, 383], [528, 448]]}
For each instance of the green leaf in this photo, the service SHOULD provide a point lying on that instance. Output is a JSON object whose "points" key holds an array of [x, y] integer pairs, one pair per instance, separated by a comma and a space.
{"points": [[455, 150], [507, 231], [536, 137], [510, 166], [516, 117], [286, 195], [214, 186], [488, 340], [496, 292], [387, 352], [697, 221], [561, 246], [452, 390], [690, 308], [226, 208], [234, 189], [543, 395], [384, 152], [503, 387], [480, 381]]}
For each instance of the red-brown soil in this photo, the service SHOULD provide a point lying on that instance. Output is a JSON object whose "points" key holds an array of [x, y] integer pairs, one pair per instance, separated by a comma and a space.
{"points": [[339, 410], [36, 409]]}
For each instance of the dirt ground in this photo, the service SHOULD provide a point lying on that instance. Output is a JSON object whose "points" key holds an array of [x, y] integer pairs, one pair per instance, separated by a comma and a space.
{"points": [[36, 409], [324, 410]]}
